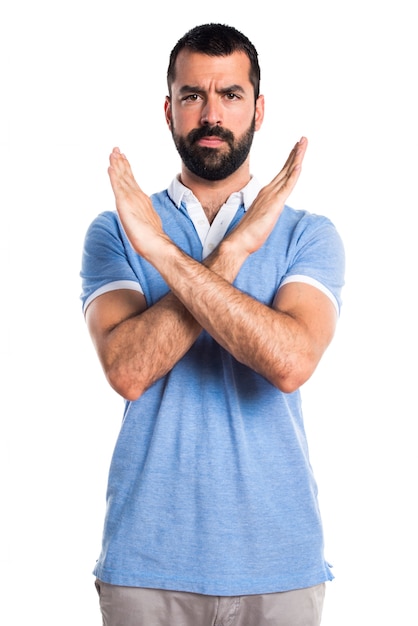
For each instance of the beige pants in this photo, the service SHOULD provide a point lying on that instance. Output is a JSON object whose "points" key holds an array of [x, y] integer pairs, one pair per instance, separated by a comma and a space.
{"points": [[133, 606]]}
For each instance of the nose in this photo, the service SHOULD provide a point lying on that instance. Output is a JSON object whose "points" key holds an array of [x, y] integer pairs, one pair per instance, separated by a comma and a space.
{"points": [[211, 112]]}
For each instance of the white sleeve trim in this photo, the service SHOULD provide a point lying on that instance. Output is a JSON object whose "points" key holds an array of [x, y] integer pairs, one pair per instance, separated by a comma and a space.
{"points": [[117, 284], [301, 278]]}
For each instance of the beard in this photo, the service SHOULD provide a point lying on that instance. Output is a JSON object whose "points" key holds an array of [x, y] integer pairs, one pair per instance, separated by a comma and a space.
{"points": [[212, 163]]}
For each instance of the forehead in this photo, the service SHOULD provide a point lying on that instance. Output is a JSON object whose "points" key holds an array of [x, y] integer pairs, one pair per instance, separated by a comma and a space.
{"points": [[195, 68]]}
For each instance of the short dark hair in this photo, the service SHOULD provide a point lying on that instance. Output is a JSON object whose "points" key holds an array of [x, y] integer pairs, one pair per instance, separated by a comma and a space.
{"points": [[216, 40]]}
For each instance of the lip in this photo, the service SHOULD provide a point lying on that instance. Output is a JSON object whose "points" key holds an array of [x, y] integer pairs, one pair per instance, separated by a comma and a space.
{"points": [[210, 142]]}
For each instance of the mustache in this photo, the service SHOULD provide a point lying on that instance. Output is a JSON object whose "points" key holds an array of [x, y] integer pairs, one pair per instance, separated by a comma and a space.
{"points": [[210, 131]]}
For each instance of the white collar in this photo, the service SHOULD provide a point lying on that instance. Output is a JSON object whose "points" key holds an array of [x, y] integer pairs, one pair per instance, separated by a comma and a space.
{"points": [[246, 196], [211, 234]]}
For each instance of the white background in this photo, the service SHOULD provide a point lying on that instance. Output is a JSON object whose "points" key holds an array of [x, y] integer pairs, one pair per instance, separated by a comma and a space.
{"points": [[80, 77]]}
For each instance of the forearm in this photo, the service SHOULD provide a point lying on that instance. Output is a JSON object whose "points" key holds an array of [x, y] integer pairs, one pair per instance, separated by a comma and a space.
{"points": [[264, 339], [144, 347]]}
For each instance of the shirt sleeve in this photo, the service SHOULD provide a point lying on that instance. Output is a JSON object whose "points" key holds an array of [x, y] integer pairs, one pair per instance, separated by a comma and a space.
{"points": [[318, 257], [108, 260]]}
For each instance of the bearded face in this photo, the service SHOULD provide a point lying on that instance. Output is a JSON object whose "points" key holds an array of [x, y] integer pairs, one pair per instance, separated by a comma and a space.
{"points": [[213, 163]]}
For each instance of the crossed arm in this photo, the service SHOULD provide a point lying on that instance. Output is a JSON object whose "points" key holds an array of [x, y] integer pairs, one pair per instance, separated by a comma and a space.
{"points": [[137, 345]]}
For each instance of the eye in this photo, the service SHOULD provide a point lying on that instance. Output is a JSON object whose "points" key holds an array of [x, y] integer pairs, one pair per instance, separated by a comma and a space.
{"points": [[192, 97], [231, 95]]}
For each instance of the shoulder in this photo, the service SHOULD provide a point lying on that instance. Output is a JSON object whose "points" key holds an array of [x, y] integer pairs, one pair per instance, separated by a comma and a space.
{"points": [[304, 219], [302, 227], [105, 221]]}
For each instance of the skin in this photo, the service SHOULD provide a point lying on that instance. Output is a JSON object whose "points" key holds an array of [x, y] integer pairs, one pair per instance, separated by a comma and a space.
{"points": [[138, 345]]}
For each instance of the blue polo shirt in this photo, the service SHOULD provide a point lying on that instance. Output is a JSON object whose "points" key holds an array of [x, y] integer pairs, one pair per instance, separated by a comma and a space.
{"points": [[210, 486]]}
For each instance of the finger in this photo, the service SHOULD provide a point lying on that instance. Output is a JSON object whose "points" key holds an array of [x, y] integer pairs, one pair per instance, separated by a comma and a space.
{"points": [[294, 160], [301, 150], [116, 158], [120, 164], [291, 156], [296, 155], [296, 164], [287, 165], [278, 179], [120, 173], [298, 148]]}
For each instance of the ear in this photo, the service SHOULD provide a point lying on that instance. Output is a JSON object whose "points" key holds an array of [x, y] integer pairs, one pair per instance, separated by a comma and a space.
{"points": [[259, 112], [167, 111]]}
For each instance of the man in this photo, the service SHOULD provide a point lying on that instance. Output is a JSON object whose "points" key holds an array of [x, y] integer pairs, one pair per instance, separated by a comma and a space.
{"points": [[209, 305]]}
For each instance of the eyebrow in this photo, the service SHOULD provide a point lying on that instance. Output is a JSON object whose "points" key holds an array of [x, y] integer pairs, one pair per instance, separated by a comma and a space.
{"points": [[196, 89]]}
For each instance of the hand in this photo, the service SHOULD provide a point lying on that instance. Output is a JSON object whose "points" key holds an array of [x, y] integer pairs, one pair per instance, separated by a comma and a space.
{"points": [[141, 222], [259, 220]]}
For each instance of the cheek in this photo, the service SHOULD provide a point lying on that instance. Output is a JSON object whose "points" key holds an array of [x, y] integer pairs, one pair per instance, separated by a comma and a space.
{"points": [[186, 117], [242, 118]]}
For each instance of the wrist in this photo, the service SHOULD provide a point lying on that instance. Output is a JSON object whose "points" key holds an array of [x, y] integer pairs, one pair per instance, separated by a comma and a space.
{"points": [[158, 250], [226, 260]]}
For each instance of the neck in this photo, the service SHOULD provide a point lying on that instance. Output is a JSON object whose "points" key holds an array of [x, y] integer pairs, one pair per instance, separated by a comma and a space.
{"points": [[212, 194]]}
